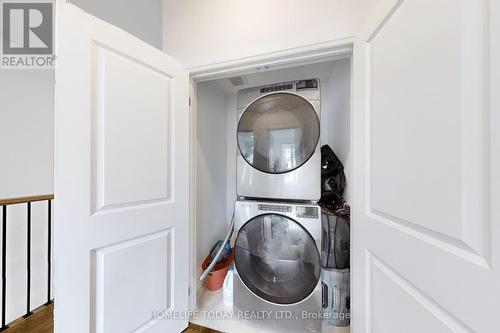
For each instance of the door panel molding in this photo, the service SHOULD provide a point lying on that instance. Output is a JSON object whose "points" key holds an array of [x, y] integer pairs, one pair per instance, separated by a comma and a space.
{"points": [[424, 155], [118, 255], [441, 314], [441, 241], [470, 240], [108, 109], [113, 260]]}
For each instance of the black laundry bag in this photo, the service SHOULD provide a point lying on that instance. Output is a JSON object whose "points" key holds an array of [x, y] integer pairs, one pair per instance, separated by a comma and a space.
{"points": [[335, 212], [335, 241], [333, 180]]}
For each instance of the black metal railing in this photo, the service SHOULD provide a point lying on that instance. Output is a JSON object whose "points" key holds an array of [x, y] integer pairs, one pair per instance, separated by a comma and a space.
{"points": [[16, 201]]}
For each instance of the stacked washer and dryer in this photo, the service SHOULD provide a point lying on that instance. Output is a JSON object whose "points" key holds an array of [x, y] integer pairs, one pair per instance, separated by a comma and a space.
{"points": [[277, 219]]}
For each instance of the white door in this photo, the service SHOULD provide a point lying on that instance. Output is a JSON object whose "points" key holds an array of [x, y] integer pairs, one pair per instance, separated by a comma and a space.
{"points": [[121, 181], [426, 231]]}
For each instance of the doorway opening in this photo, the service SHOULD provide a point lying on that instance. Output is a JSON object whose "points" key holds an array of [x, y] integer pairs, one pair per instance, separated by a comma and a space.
{"points": [[214, 146]]}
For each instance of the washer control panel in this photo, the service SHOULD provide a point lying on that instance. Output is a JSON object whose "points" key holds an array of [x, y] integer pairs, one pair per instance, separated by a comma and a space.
{"points": [[276, 208], [285, 86], [308, 212]]}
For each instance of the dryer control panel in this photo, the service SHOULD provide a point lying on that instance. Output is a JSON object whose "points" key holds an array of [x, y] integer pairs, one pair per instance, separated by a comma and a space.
{"points": [[281, 87]]}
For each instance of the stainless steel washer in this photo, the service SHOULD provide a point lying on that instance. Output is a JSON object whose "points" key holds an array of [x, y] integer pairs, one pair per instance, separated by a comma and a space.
{"points": [[277, 264]]}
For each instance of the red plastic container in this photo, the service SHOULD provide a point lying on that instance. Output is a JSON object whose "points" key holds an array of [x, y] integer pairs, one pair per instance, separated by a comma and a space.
{"points": [[215, 278]]}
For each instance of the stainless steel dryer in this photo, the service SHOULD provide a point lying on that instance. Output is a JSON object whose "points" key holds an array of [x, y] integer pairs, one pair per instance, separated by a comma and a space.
{"points": [[278, 141], [277, 264]]}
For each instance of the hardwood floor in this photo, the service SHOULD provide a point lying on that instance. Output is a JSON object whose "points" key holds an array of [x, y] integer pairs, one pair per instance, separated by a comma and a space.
{"points": [[198, 329], [42, 321]]}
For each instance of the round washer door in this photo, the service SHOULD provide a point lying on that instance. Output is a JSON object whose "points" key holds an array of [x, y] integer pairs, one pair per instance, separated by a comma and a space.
{"points": [[277, 259], [278, 133]]}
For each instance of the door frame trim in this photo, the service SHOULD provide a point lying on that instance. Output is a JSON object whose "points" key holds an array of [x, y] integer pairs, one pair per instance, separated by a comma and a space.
{"points": [[308, 54]]}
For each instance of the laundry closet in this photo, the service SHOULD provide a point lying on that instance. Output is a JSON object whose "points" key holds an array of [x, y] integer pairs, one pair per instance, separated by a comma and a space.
{"points": [[220, 146], [146, 162]]}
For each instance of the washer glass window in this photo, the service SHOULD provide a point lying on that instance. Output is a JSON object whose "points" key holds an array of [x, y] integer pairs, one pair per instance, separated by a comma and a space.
{"points": [[278, 133], [277, 259]]}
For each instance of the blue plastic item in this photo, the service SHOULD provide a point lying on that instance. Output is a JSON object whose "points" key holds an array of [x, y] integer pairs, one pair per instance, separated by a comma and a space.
{"points": [[225, 253]]}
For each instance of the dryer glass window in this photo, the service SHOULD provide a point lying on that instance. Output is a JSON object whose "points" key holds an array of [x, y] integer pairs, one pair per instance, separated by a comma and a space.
{"points": [[278, 132], [277, 259]]}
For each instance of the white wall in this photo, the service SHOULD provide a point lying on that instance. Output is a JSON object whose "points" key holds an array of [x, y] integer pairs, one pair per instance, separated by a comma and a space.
{"points": [[26, 150], [141, 18], [336, 115], [211, 222], [205, 32], [232, 148], [26, 132]]}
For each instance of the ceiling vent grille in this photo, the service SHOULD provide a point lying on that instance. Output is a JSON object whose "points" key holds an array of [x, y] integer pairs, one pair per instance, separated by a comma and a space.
{"points": [[237, 81]]}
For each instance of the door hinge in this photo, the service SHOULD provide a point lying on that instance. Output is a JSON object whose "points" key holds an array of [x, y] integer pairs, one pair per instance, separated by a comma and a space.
{"points": [[189, 101], [189, 291]]}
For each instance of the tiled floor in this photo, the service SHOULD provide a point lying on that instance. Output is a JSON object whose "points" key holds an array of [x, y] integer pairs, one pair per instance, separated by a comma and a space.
{"points": [[212, 302]]}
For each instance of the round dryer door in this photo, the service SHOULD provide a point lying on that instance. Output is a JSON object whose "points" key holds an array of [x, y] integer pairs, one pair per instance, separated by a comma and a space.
{"points": [[277, 259], [278, 133]]}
